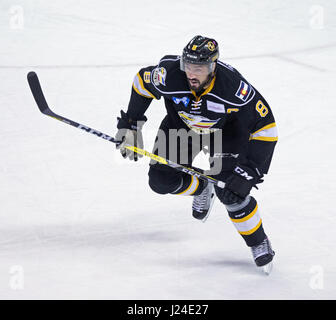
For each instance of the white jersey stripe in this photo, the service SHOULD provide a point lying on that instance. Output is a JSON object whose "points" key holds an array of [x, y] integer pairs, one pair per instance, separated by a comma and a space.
{"points": [[269, 131], [140, 89]]}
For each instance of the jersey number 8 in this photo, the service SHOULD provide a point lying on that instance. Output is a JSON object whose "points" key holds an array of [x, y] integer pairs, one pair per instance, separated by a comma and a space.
{"points": [[262, 109]]}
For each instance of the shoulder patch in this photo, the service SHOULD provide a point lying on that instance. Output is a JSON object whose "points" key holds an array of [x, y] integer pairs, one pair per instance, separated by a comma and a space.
{"points": [[243, 90], [159, 76]]}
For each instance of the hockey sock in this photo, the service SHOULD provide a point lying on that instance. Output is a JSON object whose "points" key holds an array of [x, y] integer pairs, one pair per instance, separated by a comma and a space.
{"points": [[246, 218], [190, 186]]}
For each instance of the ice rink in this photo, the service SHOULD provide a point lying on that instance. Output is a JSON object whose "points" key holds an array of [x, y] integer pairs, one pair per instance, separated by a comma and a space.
{"points": [[77, 221]]}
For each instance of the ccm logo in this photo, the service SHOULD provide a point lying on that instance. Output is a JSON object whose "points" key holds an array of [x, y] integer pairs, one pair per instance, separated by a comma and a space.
{"points": [[95, 132], [243, 173], [191, 172]]}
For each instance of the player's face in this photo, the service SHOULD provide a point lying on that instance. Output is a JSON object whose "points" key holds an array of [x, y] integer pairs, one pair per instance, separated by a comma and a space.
{"points": [[197, 75]]}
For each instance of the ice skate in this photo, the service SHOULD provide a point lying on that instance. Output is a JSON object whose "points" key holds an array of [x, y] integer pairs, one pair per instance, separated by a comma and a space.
{"points": [[202, 203], [263, 255]]}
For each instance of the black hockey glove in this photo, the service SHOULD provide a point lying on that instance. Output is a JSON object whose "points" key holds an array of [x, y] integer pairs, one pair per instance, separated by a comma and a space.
{"points": [[239, 184], [129, 132]]}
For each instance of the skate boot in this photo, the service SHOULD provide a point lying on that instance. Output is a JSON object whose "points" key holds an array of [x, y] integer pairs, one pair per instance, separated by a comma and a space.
{"points": [[202, 203], [263, 255]]}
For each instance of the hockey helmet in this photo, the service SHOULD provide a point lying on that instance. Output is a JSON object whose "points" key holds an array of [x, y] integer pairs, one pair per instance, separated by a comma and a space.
{"points": [[200, 50]]}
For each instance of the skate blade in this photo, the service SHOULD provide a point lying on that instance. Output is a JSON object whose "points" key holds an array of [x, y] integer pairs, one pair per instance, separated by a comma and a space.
{"points": [[267, 269]]}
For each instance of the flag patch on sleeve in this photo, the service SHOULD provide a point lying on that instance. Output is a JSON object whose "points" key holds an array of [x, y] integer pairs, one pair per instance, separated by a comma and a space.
{"points": [[243, 90]]}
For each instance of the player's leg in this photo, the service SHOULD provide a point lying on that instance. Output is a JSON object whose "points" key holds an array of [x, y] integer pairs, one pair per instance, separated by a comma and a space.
{"points": [[247, 220], [213, 144], [245, 215], [166, 180]]}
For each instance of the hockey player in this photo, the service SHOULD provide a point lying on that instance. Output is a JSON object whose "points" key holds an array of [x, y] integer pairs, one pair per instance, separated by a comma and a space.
{"points": [[206, 98]]}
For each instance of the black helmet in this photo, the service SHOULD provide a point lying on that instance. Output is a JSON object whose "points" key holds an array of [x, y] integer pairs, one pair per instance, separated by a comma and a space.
{"points": [[200, 50]]}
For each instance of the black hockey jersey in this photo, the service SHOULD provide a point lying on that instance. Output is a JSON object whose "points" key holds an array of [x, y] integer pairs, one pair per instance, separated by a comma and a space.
{"points": [[229, 97]]}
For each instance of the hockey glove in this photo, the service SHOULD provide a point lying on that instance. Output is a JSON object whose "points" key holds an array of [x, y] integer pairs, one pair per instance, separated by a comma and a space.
{"points": [[239, 184], [129, 133]]}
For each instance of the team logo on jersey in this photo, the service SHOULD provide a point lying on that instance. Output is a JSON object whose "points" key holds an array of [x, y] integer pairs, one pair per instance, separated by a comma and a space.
{"points": [[197, 122], [159, 76], [243, 91], [184, 100]]}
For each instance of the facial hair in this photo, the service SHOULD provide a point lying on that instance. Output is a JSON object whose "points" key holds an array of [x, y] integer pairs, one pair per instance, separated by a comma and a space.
{"points": [[195, 86], [200, 86]]}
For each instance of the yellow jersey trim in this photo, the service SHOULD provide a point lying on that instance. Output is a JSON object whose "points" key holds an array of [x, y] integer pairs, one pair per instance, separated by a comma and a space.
{"points": [[271, 125], [269, 139], [143, 88]]}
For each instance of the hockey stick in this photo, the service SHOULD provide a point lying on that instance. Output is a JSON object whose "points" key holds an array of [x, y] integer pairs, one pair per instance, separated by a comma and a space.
{"points": [[42, 104]]}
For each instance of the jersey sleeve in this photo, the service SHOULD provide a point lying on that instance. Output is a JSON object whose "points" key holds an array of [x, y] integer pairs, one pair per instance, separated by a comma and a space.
{"points": [[263, 133], [143, 91]]}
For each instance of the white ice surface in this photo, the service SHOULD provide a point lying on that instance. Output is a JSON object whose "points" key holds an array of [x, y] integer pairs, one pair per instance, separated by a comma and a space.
{"points": [[82, 223]]}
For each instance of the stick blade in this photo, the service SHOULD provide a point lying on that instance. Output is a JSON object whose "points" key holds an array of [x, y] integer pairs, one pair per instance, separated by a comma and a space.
{"points": [[37, 92]]}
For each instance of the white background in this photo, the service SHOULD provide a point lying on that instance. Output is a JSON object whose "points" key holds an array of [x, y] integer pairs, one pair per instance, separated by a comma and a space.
{"points": [[79, 222]]}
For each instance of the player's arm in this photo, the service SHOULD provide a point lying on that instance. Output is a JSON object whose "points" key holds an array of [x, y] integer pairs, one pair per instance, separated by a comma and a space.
{"points": [[263, 134], [258, 118], [130, 122], [143, 93]]}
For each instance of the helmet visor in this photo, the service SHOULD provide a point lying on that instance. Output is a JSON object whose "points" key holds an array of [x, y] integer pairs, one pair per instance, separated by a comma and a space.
{"points": [[197, 68]]}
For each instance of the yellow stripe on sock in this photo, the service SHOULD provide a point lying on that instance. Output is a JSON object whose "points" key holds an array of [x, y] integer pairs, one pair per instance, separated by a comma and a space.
{"points": [[196, 186], [247, 217], [246, 233], [191, 183]]}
